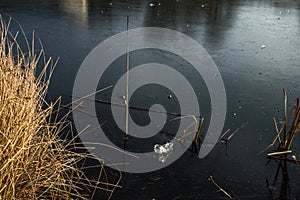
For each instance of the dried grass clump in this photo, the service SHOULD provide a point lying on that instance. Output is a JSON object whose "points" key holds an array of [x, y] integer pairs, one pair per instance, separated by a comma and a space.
{"points": [[283, 153], [35, 163], [286, 133]]}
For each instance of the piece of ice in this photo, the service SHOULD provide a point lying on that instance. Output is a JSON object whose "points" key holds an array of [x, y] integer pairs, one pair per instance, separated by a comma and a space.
{"points": [[162, 158], [263, 46], [163, 148]]}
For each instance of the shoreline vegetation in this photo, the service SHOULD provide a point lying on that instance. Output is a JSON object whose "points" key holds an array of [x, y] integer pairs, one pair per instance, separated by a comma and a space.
{"points": [[35, 161]]}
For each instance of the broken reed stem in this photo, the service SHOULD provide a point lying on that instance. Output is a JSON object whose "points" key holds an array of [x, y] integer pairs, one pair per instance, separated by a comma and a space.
{"points": [[276, 128], [232, 134], [210, 178], [284, 159], [285, 114], [134, 107], [223, 135], [199, 131], [279, 153], [127, 79]]}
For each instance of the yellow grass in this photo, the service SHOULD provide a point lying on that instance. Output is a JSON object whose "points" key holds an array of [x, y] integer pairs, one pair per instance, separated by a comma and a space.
{"points": [[35, 163], [285, 134]]}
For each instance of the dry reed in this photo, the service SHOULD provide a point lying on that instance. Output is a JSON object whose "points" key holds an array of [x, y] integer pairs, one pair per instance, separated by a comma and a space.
{"points": [[210, 178], [286, 133], [35, 162], [283, 154]]}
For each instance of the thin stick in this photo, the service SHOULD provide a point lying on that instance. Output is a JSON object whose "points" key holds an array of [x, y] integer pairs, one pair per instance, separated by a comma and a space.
{"points": [[225, 133], [143, 109], [284, 159], [219, 187], [275, 138], [276, 128], [133, 107], [127, 80], [279, 153], [285, 114], [232, 134], [88, 95], [198, 133]]}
